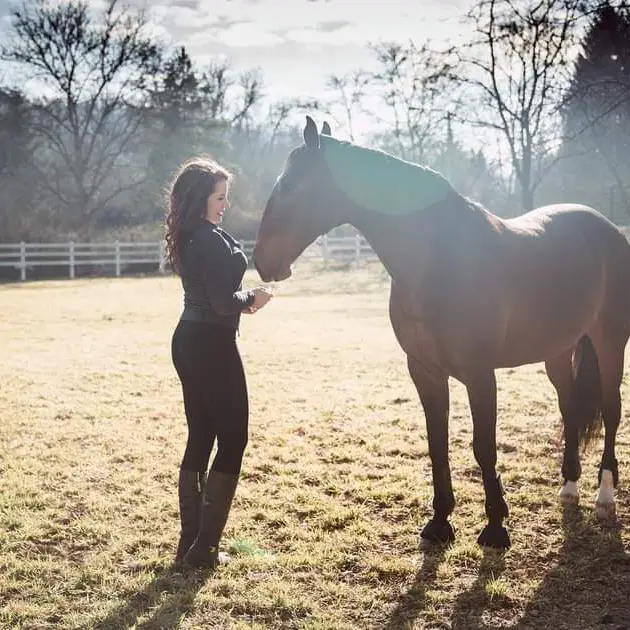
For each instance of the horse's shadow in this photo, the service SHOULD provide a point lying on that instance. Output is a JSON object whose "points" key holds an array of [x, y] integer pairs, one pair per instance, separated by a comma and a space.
{"points": [[589, 586], [160, 604], [565, 600], [470, 606], [413, 601], [466, 614]]}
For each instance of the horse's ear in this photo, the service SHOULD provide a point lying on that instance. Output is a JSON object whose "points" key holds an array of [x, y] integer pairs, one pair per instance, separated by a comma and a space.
{"points": [[311, 137], [326, 129]]}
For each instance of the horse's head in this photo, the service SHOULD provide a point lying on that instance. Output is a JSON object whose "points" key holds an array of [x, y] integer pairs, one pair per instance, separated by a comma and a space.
{"points": [[302, 206]]}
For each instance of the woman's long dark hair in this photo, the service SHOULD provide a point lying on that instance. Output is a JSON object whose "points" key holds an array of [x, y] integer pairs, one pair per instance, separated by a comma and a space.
{"points": [[194, 182]]}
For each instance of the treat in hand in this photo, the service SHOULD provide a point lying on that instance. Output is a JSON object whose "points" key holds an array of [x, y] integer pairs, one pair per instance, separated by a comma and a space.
{"points": [[262, 295]]}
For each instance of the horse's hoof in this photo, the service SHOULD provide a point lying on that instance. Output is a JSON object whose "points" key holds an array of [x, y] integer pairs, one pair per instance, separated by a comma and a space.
{"points": [[438, 531], [569, 493], [495, 537], [605, 500], [606, 512]]}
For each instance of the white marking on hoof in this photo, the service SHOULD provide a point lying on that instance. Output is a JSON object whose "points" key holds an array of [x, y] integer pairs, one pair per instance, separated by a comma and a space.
{"points": [[569, 493], [605, 501]]}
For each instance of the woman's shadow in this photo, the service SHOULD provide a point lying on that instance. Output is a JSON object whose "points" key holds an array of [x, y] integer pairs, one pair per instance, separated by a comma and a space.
{"points": [[168, 597]]}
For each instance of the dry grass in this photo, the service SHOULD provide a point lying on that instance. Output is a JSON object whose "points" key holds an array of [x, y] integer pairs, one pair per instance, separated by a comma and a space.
{"points": [[336, 479]]}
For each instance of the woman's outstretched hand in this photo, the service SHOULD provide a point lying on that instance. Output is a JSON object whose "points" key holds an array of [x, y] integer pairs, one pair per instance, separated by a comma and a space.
{"points": [[262, 295]]}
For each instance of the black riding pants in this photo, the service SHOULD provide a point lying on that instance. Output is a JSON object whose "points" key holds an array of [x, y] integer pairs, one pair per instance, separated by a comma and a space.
{"points": [[210, 369]]}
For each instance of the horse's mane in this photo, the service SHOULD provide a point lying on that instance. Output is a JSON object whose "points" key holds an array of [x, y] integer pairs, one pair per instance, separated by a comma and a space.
{"points": [[381, 182]]}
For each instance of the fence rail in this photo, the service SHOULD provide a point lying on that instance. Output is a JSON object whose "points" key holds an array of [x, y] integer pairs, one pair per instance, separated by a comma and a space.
{"points": [[118, 257]]}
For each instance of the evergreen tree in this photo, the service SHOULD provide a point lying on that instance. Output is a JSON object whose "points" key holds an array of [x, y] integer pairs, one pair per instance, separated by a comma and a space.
{"points": [[177, 126], [471, 174], [19, 184], [596, 116]]}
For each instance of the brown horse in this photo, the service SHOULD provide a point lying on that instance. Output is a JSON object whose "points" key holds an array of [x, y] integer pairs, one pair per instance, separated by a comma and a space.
{"points": [[471, 292]]}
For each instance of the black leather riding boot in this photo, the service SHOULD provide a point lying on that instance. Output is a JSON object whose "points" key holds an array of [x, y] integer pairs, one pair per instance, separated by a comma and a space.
{"points": [[190, 487], [215, 509]]}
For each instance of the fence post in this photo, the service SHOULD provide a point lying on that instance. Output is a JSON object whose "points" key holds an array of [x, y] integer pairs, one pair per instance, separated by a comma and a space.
{"points": [[71, 260], [162, 255], [117, 258], [357, 249], [22, 260]]}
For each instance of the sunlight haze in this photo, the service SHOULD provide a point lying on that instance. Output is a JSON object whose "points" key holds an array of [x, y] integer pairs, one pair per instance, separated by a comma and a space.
{"points": [[296, 45]]}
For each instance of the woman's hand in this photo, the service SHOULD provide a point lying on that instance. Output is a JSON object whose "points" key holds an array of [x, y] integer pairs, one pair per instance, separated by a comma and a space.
{"points": [[262, 295]]}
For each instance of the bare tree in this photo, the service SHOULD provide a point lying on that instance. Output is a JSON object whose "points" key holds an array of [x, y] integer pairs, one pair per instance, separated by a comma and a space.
{"points": [[413, 85], [347, 95], [96, 73], [215, 83], [282, 121], [515, 68], [251, 93], [229, 97]]}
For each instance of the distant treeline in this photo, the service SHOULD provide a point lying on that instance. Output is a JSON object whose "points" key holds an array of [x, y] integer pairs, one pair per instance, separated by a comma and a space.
{"points": [[543, 88]]}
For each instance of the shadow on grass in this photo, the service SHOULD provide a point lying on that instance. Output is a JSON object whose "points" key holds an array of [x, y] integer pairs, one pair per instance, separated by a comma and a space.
{"points": [[483, 593], [586, 588], [413, 602], [589, 588], [161, 603]]}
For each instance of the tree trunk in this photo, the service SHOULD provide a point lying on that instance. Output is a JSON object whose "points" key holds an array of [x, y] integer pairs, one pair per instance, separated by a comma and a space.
{"points": [[527, 189]]}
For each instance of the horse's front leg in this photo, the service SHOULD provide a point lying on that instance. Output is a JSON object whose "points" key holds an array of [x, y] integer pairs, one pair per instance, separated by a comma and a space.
{"points": [[433, 391], [482, 394]]}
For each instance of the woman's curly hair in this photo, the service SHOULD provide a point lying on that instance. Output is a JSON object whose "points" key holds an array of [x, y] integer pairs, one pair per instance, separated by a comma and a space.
{"points": [[193, 183]]}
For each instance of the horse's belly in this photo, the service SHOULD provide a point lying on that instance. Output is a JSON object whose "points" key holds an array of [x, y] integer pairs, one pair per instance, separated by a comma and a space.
{"points": [[527, 348], [555, 284], [550, 317]]}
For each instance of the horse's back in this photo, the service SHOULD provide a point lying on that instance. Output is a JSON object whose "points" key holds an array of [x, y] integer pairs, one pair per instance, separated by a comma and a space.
{"points": [[566, 268], [570, 226], [548, 217]]}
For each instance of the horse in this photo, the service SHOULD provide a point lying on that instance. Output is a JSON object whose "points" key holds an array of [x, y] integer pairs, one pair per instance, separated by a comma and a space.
{"points": [[470, 293]]}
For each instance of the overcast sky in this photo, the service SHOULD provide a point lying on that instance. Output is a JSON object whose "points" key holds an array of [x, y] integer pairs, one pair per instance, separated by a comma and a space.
{"points": [[296, 43]]}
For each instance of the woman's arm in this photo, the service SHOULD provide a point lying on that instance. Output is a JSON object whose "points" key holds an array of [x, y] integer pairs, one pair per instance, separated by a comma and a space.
{"points": [[214, 258]]}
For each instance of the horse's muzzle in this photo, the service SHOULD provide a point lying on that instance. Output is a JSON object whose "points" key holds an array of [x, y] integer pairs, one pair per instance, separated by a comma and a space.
{"points": [[270, 273], [264, 277]]}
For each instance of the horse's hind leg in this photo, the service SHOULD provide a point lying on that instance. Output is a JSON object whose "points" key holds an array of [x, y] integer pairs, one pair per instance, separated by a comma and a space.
{"points": [[560, 373], [434, 395], [610, 356]]}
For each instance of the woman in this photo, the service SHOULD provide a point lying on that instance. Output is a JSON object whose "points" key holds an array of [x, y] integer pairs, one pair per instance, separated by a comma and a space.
{"points": [[205, 355]]}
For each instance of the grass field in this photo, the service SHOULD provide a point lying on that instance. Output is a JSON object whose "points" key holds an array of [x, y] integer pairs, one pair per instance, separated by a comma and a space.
{"points": [[335, 484]]}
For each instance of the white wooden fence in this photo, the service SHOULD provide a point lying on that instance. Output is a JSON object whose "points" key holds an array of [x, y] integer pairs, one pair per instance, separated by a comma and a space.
{"points": [[118, 258]]}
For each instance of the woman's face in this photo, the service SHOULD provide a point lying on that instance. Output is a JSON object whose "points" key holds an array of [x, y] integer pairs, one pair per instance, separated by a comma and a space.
{"points": [[217, 203]]}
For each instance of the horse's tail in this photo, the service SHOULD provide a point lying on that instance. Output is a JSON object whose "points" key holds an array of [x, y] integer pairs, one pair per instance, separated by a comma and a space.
{"points": [[587, 392]]}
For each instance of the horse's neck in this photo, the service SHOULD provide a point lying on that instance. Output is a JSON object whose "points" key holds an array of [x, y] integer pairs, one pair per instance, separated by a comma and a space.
{"points": [[408, 245], [397, 240], [397, 205]]}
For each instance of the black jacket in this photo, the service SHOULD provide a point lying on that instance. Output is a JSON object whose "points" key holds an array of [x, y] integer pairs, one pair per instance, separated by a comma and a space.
{"points": [[212, 267]]}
